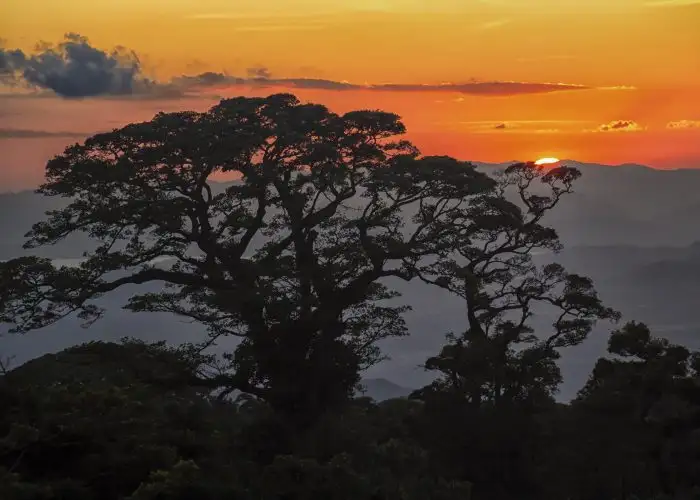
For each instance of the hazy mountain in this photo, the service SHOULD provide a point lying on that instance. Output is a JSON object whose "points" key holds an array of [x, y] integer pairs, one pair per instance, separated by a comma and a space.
{"points": [[381, 389], [628, 205], [632, 229], [620, 205]]}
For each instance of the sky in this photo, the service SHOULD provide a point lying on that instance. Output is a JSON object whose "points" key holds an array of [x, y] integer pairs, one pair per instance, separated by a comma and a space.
{"points": [[606, 81]]}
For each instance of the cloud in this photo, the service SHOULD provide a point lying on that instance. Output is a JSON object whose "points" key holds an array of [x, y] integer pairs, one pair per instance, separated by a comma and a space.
{"points": [[74, 68], [620, 126], [16, 133], [259, 72], [256, 78], [279, 27], [310, 83], [618, 87], [672, 3], [683, 124], [513, 126], [11, 61], [494, 88], [206, 79]]}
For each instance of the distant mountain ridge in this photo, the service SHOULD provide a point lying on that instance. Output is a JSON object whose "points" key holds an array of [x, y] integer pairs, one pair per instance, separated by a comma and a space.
{"points": [[627, 204], [381, 389]]}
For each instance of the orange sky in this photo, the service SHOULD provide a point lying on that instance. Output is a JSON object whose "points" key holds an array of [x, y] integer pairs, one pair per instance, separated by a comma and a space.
{"points": [[639, 62]]}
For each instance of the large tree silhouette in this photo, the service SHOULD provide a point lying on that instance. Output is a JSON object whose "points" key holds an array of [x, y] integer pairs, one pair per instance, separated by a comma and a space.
{"points": [[288, 258]]}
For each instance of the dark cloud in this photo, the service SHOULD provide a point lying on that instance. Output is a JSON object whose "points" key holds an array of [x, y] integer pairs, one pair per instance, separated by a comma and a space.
{"points": [[207, 79], [15, 133], [311, 83], [74, 68], [11, 62], [620, 126]]}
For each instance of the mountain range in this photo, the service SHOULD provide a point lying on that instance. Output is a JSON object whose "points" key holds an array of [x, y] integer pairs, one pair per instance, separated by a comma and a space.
{"points": [[633, 229]]}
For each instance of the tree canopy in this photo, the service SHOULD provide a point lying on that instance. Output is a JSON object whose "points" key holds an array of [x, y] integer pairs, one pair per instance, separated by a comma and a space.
{"points": [[291, 256], [288, 258]]}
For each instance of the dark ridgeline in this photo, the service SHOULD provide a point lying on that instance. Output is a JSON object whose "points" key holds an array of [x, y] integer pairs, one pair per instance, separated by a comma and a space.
{"points": [[296, 261]]}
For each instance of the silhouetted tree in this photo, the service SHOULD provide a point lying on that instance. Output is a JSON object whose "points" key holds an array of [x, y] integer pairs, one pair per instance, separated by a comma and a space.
{"points": [[499, 359], [288, 258], [500, 372]]}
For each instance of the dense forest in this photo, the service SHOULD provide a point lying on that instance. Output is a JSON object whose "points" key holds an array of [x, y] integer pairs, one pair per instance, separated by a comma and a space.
{"points": [[296, 260]]}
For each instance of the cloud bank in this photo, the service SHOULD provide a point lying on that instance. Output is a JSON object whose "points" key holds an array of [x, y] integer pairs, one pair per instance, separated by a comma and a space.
{"points": [[620, 126], [74, 68], [17, 133], [262, 78]]}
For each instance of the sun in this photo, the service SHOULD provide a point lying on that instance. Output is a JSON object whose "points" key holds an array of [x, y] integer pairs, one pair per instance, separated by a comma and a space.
{"points": [[546, 161]]}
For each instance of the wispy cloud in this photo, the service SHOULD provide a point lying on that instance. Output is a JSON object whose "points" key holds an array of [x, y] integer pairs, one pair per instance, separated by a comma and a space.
{"points": [[245, 16], [519, 126], [279, 27], [671, 3], [618, 87], [16, 133], [683, 124], [620, 126], [258, 22], [520, 123], [215, 16], [487, 88]]}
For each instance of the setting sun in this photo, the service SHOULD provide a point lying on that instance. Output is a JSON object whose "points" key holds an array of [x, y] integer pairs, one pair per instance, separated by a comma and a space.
{"points": [[546, 161]]}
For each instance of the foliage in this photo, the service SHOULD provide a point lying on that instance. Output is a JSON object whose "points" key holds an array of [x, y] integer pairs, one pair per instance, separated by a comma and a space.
{"points": [[93, 422]]}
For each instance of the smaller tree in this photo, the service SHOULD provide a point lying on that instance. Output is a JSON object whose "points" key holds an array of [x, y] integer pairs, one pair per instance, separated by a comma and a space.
{"points": [[481, 413], [500, 359]]}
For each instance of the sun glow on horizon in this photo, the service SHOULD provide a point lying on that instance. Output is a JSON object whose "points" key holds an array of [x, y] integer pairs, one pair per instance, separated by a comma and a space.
{"points": [[547, 161]]}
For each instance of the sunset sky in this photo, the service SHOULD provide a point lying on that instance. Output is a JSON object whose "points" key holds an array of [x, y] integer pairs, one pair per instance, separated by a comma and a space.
{"points": [[607, 81]]}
